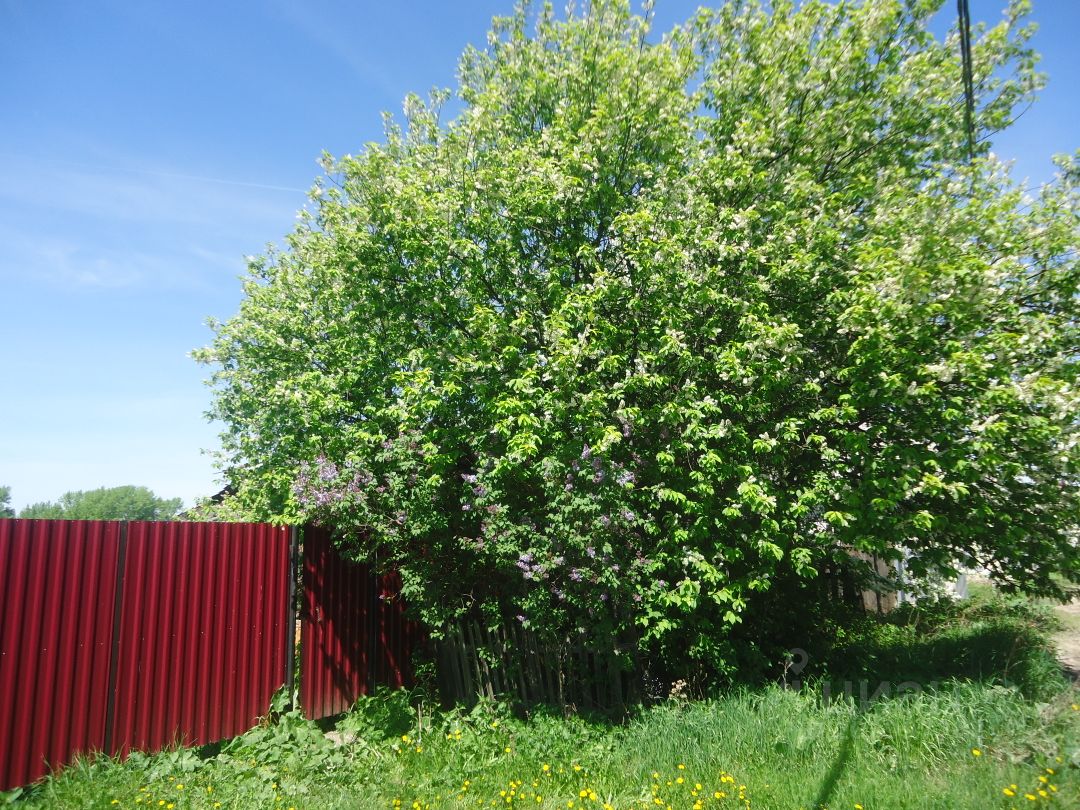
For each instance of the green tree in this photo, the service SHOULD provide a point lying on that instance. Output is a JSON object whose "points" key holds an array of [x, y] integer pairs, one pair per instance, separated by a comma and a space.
{"points": [[5, 503], [107, 503], [651, 325]]}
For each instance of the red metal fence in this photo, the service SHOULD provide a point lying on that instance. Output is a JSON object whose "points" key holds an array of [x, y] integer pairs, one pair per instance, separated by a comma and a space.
{"points": [[123, 636], [355, 634], [56, 625], [202, 633]]}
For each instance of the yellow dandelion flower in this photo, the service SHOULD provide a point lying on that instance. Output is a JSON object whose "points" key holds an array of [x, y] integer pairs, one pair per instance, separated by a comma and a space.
{"points": [[1029, 796], [545, 767], [506, 750], [1008, 792], [858, 807], [1043, 779], [1053, 788], [975, 752], [681, 767]]}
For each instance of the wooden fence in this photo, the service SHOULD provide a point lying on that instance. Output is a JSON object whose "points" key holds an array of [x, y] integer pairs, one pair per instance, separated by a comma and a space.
{"points": [[509, 662]]}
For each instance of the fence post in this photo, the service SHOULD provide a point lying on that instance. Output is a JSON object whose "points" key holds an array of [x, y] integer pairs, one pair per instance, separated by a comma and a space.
{"points": [[290, 617], [114, 648]]}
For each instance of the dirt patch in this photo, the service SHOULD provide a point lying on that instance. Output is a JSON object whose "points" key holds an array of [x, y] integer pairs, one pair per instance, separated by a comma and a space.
{"points": [[1068, 640]]}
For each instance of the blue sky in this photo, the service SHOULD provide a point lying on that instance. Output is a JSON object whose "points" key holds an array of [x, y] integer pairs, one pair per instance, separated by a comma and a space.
{"points": [[147, 146]]}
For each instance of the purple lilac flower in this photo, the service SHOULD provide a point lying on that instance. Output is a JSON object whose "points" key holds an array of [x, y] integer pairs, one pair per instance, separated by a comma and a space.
{"points": [[603, 597], [625, 477], [586, 452], [605, 521], [591, 552], [328, 471], [569, 487], [576, 575], [465, 507], [469, 478]]}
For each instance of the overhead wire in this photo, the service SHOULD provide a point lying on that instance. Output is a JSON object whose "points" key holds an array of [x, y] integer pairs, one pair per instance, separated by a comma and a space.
{"points": [[964, 25]]}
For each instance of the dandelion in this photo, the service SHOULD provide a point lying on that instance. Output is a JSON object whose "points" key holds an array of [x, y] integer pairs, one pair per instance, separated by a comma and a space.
{"points": [[975, 752], [1008, 792]]}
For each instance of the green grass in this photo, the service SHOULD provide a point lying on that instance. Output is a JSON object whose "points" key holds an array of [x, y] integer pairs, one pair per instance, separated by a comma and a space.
{"points": [[982, 680]]}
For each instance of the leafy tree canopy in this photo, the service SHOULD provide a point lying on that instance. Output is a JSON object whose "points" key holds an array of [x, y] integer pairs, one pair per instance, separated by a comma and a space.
{"points": [[5, 503], [653, 323], [107, 503]]}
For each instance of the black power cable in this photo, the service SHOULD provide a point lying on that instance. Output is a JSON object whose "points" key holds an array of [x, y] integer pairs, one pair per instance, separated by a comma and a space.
{"points": [[969, 87]]}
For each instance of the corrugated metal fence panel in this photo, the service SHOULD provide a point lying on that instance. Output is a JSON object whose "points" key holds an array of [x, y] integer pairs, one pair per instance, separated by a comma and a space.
{"points": [[354, 632], [397, 636], [57, 593], [202, 632]]}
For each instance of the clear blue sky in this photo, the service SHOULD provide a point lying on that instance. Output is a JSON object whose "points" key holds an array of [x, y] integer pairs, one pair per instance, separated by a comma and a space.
{"points": [[147, 146]]}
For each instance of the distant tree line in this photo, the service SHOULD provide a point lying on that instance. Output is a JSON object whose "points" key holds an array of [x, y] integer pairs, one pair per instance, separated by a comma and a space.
{"points": [[105, 503]]}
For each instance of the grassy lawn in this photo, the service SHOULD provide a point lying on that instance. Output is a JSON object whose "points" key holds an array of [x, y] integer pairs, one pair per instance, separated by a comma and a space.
{"points": [[1008, 725]]}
